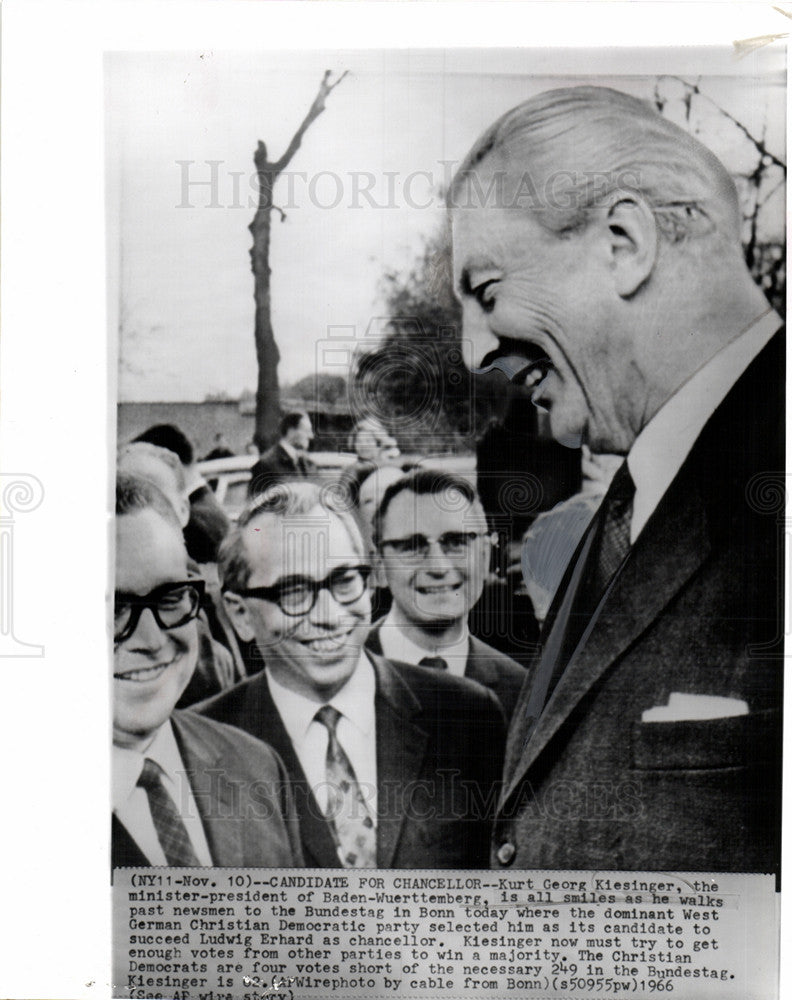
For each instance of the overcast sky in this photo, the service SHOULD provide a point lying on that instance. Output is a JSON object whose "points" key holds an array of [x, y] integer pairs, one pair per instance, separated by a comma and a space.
{"points": [[364, 190]]}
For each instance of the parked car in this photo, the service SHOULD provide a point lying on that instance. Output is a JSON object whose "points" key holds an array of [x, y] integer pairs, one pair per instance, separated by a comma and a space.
{"points": [[229, 477]]}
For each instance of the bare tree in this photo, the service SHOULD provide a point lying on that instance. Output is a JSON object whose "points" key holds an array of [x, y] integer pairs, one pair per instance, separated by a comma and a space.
{"points": [[267, 354]]}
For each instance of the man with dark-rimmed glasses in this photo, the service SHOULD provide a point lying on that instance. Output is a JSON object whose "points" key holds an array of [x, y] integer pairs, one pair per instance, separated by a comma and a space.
{"points": [[385, 758], [186, 791]]}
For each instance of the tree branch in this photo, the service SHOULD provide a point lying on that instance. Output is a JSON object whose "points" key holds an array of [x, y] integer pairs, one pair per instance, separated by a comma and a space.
{"points": [[318, 106], [759, 146]]}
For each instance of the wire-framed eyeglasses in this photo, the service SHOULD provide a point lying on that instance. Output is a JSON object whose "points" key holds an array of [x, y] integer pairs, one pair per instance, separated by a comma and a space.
{"points": [[415, 548], [296, 595], [172, 604]]}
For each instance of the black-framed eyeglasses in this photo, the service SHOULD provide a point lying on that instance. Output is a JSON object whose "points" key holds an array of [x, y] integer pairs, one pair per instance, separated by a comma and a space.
{"points": [[172, 604], [415, 548], [296, 595]]}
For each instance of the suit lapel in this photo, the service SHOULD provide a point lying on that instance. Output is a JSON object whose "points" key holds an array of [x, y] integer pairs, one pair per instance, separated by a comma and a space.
{"points": [[214, 796], [317, 840], [479, 666], [672, 546], [401, 749]]}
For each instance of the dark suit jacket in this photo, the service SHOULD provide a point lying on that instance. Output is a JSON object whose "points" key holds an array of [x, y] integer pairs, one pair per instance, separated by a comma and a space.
{"points": [[207, 527], [439, 746], [489, 667], [275, 465], [242, 794], [695, 610]]}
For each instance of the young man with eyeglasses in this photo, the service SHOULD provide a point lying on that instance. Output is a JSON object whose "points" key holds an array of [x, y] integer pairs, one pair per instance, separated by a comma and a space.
{"points": [[186, 791], [433, 546], [386, 760]]}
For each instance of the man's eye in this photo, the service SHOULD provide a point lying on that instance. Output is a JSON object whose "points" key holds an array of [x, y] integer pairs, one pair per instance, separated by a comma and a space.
{"points": [[484, 294]]}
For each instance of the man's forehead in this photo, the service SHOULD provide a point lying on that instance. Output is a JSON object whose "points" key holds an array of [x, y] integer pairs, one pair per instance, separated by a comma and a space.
{"points": [[275, 543], [450, 505]]}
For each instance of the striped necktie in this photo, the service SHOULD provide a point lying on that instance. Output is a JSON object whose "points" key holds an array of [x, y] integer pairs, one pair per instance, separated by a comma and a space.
{"points": [[171, 831]]}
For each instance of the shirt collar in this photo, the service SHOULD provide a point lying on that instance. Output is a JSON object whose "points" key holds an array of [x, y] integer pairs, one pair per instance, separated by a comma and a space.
{"points": [[663, 445], [290, 451], [397, 645], [355, 701], [128, 763]]}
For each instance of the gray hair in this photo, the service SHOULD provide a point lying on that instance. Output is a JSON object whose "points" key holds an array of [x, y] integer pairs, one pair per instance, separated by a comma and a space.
{"points": [[565, 151], [290, 500], [164, 455]]}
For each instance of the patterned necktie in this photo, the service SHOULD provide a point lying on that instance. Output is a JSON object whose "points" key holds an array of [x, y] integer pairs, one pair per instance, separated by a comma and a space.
{"points": [[356, 838], [608, 550], [433, 662], [613, 543], [171, 831]]}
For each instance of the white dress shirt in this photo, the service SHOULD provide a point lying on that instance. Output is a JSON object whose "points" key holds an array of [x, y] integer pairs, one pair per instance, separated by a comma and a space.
{"points": [[292, 452], [663, 445], [356, 731], [131, 804], [397, 645]]}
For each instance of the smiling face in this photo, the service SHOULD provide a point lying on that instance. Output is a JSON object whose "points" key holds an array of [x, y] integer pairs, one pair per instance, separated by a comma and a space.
{"points": [[440, 589], [528, 292], [153, 666], [314, 653]]}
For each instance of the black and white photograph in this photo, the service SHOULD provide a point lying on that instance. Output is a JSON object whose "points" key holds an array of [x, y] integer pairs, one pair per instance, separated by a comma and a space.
{"points": [[445, 519]]}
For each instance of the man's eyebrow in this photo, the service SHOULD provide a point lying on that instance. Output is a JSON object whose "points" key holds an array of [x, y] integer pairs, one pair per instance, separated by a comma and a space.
{"points": [[465, 284]]}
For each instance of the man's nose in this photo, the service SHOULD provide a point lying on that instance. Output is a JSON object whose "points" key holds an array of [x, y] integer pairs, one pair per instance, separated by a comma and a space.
{"points": [[326, 611], [437, 562], [477, 338], [148, 636]]}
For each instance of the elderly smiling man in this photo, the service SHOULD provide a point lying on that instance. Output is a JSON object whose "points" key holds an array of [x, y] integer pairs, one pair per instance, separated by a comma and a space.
{"points": [[597, 254], [186, 791], [386, 759]]}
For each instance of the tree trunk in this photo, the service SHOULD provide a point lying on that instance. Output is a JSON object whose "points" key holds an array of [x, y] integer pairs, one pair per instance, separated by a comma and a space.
{"points": [[267, 354]]}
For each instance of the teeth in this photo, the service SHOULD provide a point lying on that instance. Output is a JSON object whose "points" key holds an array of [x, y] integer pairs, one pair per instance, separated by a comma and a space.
{"points": [[325, 645], [145, 674], [445, 589]]}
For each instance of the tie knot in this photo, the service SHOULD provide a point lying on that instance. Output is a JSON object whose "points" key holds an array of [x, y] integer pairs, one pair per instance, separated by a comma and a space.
{"points": [[433, 662], [328, 715], [150, 775], [622, 487]]}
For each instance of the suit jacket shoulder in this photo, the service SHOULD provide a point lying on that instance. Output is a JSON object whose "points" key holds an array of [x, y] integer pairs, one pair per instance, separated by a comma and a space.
{"points": [[497, 671], [241, 789], [485, 665]]}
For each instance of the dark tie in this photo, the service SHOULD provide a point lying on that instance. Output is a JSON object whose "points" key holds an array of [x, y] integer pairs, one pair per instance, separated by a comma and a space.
{"points": [[610, 545], [613, 542], [302, 468], [433, 662], [356, 838], [171, 831]]}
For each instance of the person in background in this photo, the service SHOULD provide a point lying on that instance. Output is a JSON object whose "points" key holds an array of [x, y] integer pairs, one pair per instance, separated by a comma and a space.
{"points": [[375, 448], [288, 459], [186, 791], [220, 448], [393, 766], [433, 550], [208, 524]]}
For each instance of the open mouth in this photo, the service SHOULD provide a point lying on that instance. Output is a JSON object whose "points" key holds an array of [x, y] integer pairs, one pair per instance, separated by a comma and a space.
{"points": [[445, 588], [327, 643], [144, 674], [522, 362]]}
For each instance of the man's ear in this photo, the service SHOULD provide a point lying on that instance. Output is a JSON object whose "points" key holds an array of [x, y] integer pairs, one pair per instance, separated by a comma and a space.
{"points": [[184, 512], [239, 615], [632, 236], [378, 578]]}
